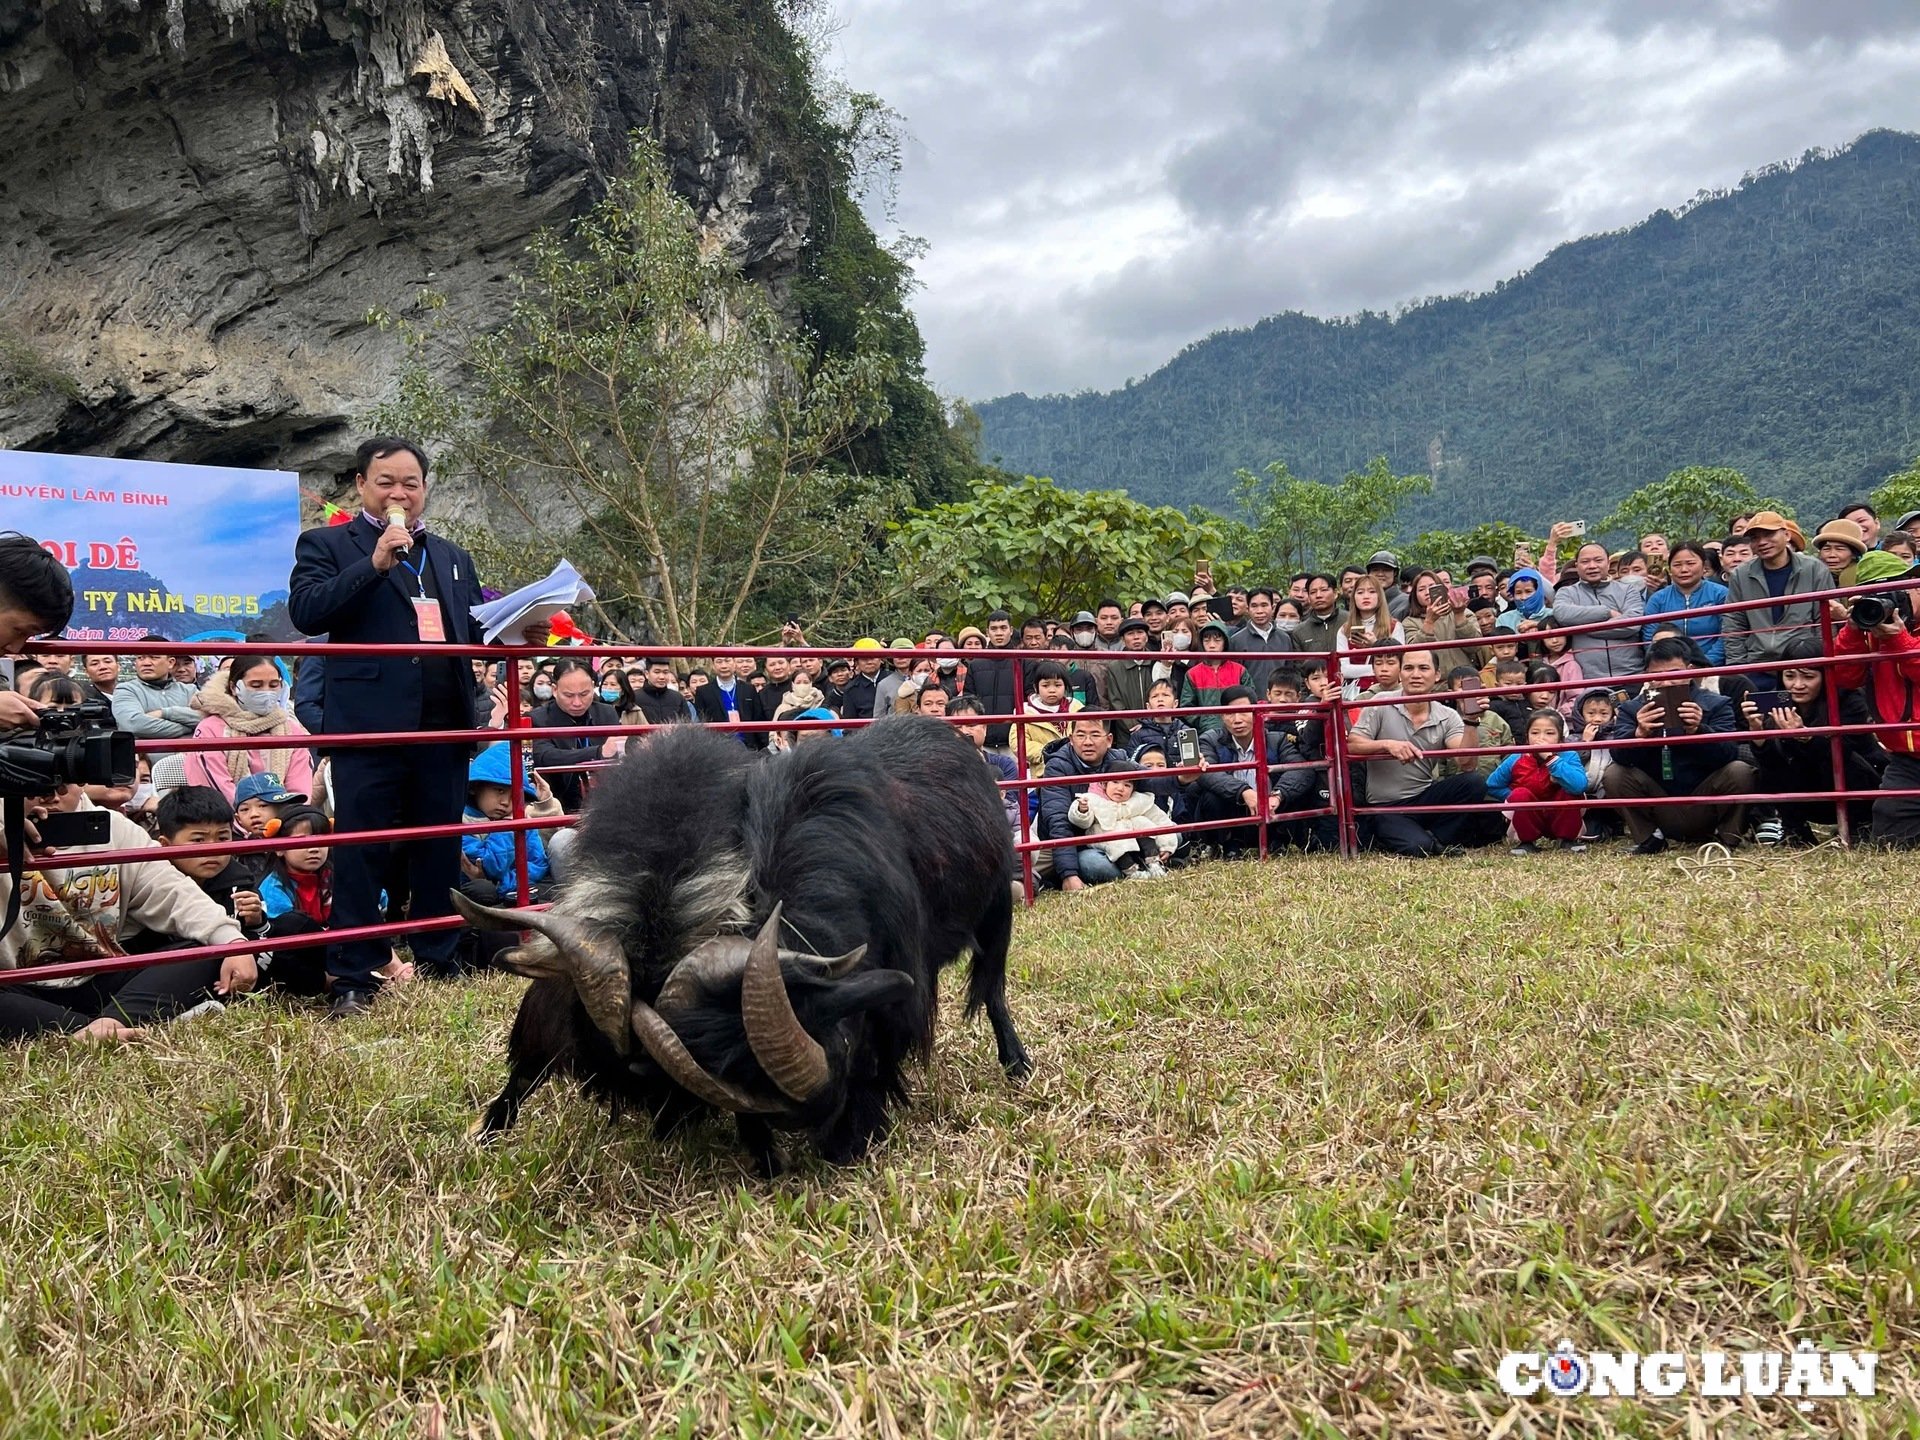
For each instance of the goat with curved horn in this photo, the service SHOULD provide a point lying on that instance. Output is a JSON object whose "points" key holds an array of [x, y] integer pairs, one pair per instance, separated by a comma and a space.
{"points": [[721, 961], [593, 961], [792, 1058], [659, 1041]]}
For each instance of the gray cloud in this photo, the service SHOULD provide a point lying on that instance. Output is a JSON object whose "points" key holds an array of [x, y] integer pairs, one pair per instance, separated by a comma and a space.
{"points": [[1104, 181]]}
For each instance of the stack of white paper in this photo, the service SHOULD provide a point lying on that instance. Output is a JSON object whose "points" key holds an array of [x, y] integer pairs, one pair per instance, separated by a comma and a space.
{"points": [[532, 604]]}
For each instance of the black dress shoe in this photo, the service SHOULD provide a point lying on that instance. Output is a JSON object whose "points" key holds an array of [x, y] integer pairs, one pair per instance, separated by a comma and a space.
{"points": [[1652, 845], [347, 1002]]}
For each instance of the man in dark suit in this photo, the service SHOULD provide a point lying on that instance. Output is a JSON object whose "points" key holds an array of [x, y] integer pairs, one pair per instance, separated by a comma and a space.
{"points": [[729, 698], [383, 580]]}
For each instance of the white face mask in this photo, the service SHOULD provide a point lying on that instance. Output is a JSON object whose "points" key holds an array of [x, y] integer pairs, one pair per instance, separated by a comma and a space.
{"points": [[261, 702], [1085, 638], [1179, 640], [142, 793], [543, 692]]}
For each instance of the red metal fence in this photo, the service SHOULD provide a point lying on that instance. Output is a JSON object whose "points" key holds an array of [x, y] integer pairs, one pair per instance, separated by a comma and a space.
{"points": [[1336, 713]]}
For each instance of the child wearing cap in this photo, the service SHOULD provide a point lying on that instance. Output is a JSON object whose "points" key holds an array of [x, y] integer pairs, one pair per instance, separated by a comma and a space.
{"points": [[487, 861], [257, 801]]}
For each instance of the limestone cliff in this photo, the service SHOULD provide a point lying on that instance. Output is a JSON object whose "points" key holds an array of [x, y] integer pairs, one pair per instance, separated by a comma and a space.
{"points": [[200, 200]]}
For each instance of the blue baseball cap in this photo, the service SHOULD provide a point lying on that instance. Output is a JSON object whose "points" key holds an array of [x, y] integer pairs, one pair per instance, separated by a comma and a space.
{"points": [[265, 786]]}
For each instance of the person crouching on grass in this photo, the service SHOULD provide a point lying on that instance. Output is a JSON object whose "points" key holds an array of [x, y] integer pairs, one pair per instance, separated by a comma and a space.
{"points": [[87, 912], [1538, 773]]}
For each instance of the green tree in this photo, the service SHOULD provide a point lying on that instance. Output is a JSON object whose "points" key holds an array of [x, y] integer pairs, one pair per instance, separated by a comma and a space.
{"points": [[1296, 524], [648, 410], [1034, 548], [1898, 493], [1690, 504], [1452, 549]]}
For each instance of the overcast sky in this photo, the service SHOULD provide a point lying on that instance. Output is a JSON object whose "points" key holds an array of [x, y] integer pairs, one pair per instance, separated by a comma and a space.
{"points": [[1104, 181]]}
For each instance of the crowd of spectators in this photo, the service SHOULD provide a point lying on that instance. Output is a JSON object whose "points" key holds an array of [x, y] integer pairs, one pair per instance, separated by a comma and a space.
{"points": [[1470, 717]]}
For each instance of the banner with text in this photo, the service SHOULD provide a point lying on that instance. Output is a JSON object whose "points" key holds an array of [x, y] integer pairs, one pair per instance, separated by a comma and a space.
{"points": [[190, 552]]}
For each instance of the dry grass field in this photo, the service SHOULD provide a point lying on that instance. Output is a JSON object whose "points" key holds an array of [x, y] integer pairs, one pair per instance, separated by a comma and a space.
{"points": [[1310, 1145]]}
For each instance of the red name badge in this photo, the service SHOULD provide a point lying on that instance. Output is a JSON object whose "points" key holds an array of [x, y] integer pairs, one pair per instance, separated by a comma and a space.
{"points": [[426, 615]]}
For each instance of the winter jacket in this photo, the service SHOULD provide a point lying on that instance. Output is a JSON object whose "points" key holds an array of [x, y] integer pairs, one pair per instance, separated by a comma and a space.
{"points": [[107, 902], [1094, 812], [1795, 760], [857, 698], [1247, 640], [550, 749], [1005, 768], [1549, 774], [665, 706], [1316, 635], [1228, 775], [1756, 636], [1056, 800], [1704, 630], [1206, 679], [1691, 762], [992, 679], [1125, 686], [1568, 664], [493, 852], [1051, 727], [1613, 652], [1891, 664], [134, 697], [282, 751], [1496, 731], [1456, 625]]}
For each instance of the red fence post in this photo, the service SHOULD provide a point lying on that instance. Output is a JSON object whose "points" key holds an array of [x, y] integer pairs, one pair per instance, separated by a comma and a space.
{"points": [[1837, 746], [517, 783], [1026, 820], [1339, 790], [1261, 780]]}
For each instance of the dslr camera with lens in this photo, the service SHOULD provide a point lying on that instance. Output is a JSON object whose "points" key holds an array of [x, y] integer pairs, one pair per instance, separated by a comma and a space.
{"points": [[75, 745], [1870, 612]]}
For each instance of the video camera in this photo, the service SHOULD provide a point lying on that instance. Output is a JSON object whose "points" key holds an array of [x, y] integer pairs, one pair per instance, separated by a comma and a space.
{"points": [[75, 745]]}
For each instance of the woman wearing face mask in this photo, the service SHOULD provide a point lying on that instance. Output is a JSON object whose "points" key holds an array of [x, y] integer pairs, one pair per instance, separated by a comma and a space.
{"points": [[248, 697], [1175, 641]]}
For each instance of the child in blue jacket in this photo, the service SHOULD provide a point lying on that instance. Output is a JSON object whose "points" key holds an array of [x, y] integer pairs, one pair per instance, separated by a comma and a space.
{"points": [[487, 861]]}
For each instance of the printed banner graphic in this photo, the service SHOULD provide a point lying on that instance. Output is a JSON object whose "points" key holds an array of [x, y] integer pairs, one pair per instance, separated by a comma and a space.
{"points": [[190, 552]]}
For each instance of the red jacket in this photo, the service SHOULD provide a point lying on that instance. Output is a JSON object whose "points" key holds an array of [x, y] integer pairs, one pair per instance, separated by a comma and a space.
{"points": [[1893, 662]]}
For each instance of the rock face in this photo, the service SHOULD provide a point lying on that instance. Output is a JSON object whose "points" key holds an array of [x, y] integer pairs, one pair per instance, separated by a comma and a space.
{"points": [[200, 200]]}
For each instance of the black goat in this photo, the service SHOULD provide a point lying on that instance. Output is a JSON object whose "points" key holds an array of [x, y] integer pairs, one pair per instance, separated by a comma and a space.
{"points": [[770, 931]]}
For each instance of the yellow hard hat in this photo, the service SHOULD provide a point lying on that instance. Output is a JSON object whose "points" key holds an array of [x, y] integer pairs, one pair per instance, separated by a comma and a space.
{"points": [[867, 642]]}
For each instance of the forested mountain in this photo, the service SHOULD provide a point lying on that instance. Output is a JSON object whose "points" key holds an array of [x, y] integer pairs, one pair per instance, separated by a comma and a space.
{"points": [[1774, 328]]}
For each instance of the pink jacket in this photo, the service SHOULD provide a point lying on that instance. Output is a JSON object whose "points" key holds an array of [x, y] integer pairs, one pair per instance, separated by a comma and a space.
{"points": [[211, 767]]}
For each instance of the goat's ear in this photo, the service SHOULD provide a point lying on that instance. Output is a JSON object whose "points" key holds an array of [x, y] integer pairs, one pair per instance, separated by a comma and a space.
{"points": [[867, 990]]}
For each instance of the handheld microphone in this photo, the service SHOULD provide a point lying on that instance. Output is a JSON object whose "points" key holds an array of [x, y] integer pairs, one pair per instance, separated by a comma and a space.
{"points": [[398, 516]]}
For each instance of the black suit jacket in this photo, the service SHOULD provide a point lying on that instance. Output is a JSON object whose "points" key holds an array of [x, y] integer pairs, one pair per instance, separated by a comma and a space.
{"points": [[334, 590], [711, 708]]}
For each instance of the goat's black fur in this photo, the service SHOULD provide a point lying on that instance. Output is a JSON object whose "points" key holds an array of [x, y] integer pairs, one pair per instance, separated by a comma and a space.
{"points": [[894, 838]]}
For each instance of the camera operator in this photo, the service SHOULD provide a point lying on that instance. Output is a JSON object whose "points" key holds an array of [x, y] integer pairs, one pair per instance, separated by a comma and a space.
{"points": [[36, 598], [1884, 658], [90, 911]]}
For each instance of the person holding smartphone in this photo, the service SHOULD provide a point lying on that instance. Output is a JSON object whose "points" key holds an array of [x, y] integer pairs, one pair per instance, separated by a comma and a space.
{"points": [[1883, 656], [87, 912], [1674, 708], [1790, 757]]}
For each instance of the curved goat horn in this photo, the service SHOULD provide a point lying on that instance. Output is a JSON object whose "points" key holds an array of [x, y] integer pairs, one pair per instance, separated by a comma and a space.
{"points": [[791, 1057], [713, 963], [598, 964], [672, 1056]]}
